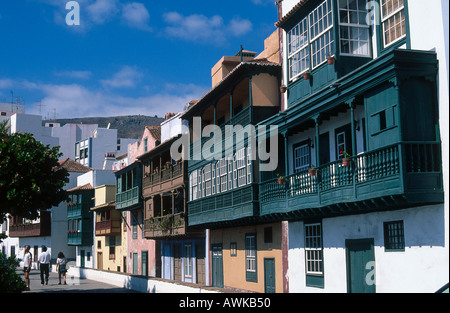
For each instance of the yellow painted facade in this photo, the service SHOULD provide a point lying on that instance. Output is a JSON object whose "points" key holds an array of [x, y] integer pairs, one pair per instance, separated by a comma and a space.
{"points": [[234, 260], [110, 232]]}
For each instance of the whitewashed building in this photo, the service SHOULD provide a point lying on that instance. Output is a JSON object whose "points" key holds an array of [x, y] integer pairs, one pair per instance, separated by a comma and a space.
{"points": [[368, 82]]}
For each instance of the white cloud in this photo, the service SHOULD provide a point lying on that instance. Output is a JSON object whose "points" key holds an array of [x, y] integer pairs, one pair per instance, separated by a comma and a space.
{"points": [[136, 15], [6, 83], [205, 29], [77, 100], [240, 26], [100, 11], [127, 77]]}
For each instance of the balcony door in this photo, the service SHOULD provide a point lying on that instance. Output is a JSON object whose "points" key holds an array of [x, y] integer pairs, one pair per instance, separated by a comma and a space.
{"points": [[343, 141]]}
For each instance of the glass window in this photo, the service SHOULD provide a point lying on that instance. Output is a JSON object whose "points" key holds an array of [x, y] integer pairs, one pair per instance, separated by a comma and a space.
{"points": [[340, 144], [320, 27], [249, 165], [311, 38], [250, 253], [393, 20], [298, 49], [313, 248], [188, 260], [223, 175], [354, 31], [394, 236], [207, 171], [241, 167], [302, 159]]}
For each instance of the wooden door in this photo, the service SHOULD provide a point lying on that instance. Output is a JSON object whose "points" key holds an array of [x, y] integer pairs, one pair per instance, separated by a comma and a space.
{"points": [[200, 263], [269, 275], [99, 260], [217, 266], [360, 266], [177, 262]]}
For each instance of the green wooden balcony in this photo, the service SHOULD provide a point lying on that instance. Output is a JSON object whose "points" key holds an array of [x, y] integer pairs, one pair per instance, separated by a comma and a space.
{"points": [[224, 207], [396, 176], [128, 199], [82, 238]]}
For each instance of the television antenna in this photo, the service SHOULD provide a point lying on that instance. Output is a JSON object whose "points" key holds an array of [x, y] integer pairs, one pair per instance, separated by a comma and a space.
{"points": [[40, 105]]}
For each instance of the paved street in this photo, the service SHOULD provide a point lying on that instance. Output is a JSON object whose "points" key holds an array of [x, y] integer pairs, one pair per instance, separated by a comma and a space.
{"points": [[74, 285]]}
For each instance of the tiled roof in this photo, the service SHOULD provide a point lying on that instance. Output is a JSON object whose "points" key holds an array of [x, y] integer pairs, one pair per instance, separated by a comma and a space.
{"points": [[88, 186], [290, 13], [155, 131], [72, 166]]}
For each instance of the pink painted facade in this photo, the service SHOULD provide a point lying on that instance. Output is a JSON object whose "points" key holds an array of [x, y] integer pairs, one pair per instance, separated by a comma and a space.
{"points": [[150, 139], [141, 251]]}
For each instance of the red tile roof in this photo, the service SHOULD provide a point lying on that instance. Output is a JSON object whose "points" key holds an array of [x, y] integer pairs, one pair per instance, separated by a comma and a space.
{"points": [[72, 166], [88, 186], [155, 131]]}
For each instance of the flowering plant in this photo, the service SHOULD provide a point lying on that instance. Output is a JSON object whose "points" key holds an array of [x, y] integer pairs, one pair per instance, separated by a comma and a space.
{"points": [[344, 153]]}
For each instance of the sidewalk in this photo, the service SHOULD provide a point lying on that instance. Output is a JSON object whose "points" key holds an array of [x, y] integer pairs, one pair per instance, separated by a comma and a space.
{"points": [[74, 285]]}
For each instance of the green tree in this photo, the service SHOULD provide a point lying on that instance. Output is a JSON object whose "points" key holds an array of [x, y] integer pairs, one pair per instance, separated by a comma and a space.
{"points": [[10, 281], [30, 177]]}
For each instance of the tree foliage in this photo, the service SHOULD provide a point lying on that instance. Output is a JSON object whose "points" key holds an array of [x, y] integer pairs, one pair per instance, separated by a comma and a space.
{"points": [[10, 281], [30, 177]]}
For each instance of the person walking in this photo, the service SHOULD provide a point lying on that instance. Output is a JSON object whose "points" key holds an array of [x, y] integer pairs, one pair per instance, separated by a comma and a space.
{"points": [[44, 261], [27, 258], [61, 267]]}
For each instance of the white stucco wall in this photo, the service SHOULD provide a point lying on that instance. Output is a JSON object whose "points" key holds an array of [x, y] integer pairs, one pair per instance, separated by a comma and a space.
{"points": [[420, 268]]}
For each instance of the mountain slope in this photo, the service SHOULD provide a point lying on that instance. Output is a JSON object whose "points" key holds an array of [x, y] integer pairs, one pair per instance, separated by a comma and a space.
{"points": [[131, 126]]}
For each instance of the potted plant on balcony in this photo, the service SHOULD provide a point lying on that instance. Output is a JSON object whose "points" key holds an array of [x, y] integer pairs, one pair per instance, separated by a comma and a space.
{"points": [[331, 59], [312, 170], [346, 160], [281, 179], [306, 75]]}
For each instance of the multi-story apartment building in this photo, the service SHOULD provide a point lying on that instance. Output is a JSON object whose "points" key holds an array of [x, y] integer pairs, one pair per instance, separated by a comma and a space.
{"points": [[91, 150], [110, 231], [180, 250], [223, 187], [80, 218], [129, 202], [367, 89]]}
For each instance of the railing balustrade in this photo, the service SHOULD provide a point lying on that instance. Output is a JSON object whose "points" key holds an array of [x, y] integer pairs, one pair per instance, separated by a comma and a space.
{"points": [[417, 157]]}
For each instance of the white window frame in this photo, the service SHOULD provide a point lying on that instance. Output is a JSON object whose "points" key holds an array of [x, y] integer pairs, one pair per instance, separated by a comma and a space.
{"points": [[249, 165], [218, 183], [298, 46], [313, 249], [213, 178], [230, 174], [312, 48], [250, 253], [384, 19], [361, 24], [208, 180], [223, 175], [194, 195], [188, 264], [241, 167], [317, 35], [305, 157], [344, 144]]}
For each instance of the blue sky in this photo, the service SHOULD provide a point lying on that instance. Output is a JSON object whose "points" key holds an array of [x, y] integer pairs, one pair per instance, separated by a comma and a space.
{"points": [[125, 57]]}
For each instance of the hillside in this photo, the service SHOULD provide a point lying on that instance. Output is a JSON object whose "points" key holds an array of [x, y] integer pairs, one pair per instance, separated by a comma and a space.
{"points": [[127, 126]]}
